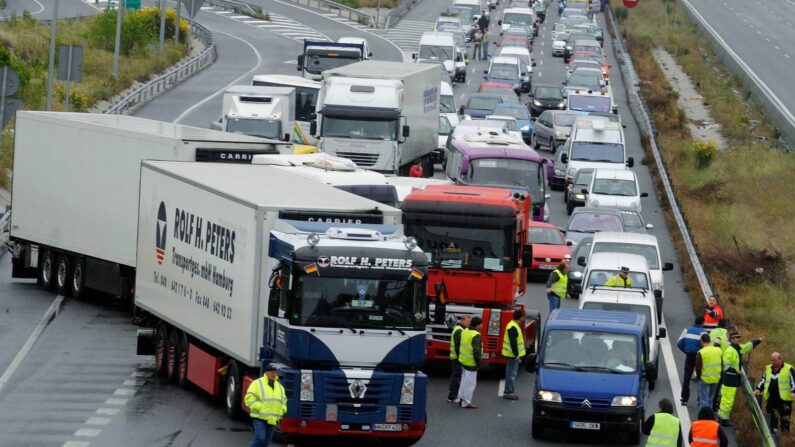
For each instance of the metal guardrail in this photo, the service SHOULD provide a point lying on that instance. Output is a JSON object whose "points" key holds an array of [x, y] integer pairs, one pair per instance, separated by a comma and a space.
{"points": [[645, 123], [170, 78], [340, 10], [400, 10]]}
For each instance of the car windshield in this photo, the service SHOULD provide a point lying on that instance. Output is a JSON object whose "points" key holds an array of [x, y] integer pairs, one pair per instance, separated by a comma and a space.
{"points": [[254, 127], [321, 60], [564, 119], [593, 351], [508, 171], [463, 247], [513, 18], [597, 152], [436, 52], [497, 91], [614, 187], [503, 71], [639, 309], [547, 236], [583, 103], [515, 112], [595, 49], [647, 251], [547, 93], [595, 222], [585, 79], [359, 128], [357, 303], [600, 277], [481, 103], [583, 64], [583, 179], [447, 104]]}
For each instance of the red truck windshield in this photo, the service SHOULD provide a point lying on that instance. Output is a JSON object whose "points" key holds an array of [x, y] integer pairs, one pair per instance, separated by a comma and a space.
{"points": [[465, 248]]}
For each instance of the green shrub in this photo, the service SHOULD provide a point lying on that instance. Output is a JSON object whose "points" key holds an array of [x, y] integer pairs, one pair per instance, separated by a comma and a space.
{"points": [[704, 152], [138, 30]]}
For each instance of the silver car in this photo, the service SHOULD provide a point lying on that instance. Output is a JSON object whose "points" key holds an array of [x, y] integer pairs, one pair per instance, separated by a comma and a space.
{"points": [[552, 128], [558, 178]]}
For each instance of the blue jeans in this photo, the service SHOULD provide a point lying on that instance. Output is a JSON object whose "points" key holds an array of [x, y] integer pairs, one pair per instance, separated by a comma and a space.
{"points": [[263, 432], [554, 302], [485, 50], [706, 394], [511, 369]]}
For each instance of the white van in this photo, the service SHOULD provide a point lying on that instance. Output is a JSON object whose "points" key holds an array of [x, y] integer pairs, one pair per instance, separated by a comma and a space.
{"points": [[441, 46], [595, 144], [358, 41], [517, 17], [615, 188]]}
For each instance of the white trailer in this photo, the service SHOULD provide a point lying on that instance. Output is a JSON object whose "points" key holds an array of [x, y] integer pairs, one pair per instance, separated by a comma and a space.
{"points": [[382, 115], [75, 183], [265, 112]]}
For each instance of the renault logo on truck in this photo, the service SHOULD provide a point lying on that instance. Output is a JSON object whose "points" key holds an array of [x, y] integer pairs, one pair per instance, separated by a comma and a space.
{"points": [[160, 234]]}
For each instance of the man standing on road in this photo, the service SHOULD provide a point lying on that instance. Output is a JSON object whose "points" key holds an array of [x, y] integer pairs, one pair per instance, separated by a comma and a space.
{"points": [[620, 280], [483, 21], [477, 40], [663, 427], [267, 401], [690, 343], [486, 39], [557, 285], [705, 432], [513, 348], [708, 367], [731, 374], [455, 345], [469, 355], [778, 389]]}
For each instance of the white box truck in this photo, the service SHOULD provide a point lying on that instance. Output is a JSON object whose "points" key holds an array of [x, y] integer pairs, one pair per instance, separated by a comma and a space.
{"points": [[265, 112], [245, 266], [75, 201], [382, 115]]}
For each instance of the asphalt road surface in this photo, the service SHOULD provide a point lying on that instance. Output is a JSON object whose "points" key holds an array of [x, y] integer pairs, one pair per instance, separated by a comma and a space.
{"points": [[43, 9], [83, 385]]}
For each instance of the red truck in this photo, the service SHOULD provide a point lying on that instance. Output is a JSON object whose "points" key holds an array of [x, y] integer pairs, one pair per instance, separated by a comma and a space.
{"points": [[475, 239]]}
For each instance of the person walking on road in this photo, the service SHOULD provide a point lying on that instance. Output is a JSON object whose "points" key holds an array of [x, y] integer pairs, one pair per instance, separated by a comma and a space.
{"points": [[620, 280], [455, 345], [469, 354], [663, 427], [483, 21], [557, 286], [690, 343], [705, 432], [513, 349], [778, 388], [266, 399], [731, 374], [485, 40], [712, 312], [709, 364], [477, 40]]}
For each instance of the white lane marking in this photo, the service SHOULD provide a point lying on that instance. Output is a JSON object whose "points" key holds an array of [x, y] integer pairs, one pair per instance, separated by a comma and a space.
{"points": [[777, 48], [88, 432], [223, 12], [48, 316], [116, 401], [253, 22], [767, 39], [108, 411], [134, 382], [501, 388], [759, 32], [207, 8], [76, 444], [673, 379], [541, 62], [539, 74], [96, 420], [294, 61], [124, 392], [239, 17], [234, 82], [41, 8], [145, 373], [149, 365], [542, 52]]}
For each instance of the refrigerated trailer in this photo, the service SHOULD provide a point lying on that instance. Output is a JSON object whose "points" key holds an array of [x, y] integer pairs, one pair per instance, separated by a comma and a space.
{"points": [[75, 200]]}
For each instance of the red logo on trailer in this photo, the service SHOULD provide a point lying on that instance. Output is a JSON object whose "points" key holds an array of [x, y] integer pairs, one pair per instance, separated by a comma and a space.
{"points": [[631, 3]]}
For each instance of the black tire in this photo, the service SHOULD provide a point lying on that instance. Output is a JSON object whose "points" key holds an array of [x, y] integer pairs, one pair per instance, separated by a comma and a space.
{"points": [[47, 270], [537, 430], [161, 349], [63, 274], [76, 281], [232, 391], [172, 352], [569, 208], [535, 144], [552, 147], [182, 362]]}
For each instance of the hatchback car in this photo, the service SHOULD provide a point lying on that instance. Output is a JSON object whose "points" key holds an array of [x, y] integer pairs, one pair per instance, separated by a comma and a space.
{"points": [[557, 180], [479, 105], [614, 188], [520, 114], [574, 195], [586, 221], [545, 97], [552, 128], [550, 247]]}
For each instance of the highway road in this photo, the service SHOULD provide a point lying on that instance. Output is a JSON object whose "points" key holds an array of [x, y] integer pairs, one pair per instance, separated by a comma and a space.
{"points": [[83, 385], [43, 9]]}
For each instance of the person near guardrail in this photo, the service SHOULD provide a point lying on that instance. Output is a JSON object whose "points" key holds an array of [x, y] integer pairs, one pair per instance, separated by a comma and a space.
{"points": [[777, 387], [712, 312], [705, 432], [709, 364], [663, 427], [731, 377], [719, 335], [690, 343]]}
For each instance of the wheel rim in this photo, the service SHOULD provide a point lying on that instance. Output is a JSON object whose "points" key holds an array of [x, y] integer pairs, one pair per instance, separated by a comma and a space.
{"points": [[77, 278], [160, 350], [46, 270], [231, 391], [172, 358], [61, 276]]}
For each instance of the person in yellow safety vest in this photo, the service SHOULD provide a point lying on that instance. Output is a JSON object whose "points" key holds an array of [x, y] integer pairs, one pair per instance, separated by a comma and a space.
{"points": [[663, 427], [705, 432], [731, 374], [513, 349], [266, 399], [778, 388], [469, 354], [709, 364], [718, 335], [620, 280], [557, 286], [455, 343]]}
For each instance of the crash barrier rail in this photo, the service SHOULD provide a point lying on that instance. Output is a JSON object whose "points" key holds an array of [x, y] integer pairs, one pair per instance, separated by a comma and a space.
{"points": [[237, 6], [400, 10], [170, 78], [774, 108], [340, 10], [642, 115]]}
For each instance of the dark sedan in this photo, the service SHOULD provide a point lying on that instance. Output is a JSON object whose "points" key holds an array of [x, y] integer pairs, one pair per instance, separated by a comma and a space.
{"points": [[480, 105], [545, 97]]}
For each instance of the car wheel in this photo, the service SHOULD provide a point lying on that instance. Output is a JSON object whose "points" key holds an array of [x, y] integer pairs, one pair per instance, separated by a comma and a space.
{"points": [[534, 143], [552, 146]]}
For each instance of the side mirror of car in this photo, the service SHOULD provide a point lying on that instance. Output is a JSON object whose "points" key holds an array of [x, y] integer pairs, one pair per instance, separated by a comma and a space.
{"points": [[649, 226], [644, 194], [668, 266], [581, 261], [630, 162], [485, 72], [569, 243], [523, 74], [563, 83], [584, 191], [564, 158], [313, 127], [499, 22], [662, 333], [461, 110], [651, 371], [614, 109]]}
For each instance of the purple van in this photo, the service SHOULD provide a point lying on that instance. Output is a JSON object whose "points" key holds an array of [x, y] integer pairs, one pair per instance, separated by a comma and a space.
{"points": [[499, 160]]}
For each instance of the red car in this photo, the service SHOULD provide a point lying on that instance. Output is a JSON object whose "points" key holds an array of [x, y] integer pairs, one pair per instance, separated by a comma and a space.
{"points": [[549, 247], [516, 41], [496, 88]]}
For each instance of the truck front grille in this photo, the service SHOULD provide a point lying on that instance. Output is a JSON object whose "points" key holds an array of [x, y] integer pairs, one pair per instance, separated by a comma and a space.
{"points": [[337, 390], [364, 160]]}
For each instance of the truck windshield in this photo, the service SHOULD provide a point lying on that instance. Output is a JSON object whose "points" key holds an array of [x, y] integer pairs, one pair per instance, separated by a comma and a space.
{"points": [[447, 104], [358, 303], [435, 52], [597, 152], [254, 127], [508, 171], [359, 128], [318, 61], [647, 251], [600, 277], [460, 247], [386, 194], [593, 351]]}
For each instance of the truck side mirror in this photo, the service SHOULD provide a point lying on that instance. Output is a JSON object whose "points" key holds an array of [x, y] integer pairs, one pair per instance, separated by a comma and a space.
{"points": [[461, 110], [527, 256], [313, 127], [630, 162], [614, 109], [662, 333], [300, 62], [414, 56], [658, 303], [440, 309], [651, 371], [530, 362], [584, 191], [485, 72], [649, 226], [499, 22], [286, 137], [581, 261], [668, 266], [406, 131], [644, 194], [564, 158]]}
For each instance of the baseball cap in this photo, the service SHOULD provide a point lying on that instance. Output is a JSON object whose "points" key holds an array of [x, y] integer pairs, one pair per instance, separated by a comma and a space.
{"points": [[625, 269], [270, 368]]}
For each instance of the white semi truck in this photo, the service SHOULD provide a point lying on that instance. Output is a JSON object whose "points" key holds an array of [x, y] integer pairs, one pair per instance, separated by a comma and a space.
{"points": [[75, 183], [382, 115], [265, 112], [319, 56], [245, 266]]}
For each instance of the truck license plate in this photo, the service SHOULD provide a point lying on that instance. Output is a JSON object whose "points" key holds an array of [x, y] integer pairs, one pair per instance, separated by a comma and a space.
{"points": [[386, 427], [585, 425], [547, 267]]}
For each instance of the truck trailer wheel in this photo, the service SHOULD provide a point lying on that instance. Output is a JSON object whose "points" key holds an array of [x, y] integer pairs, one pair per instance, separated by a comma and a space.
{"points": [[233, 391], [47, 270], [182, 362], [172, 351], [63, 275], [161, 348], [76, 281]]}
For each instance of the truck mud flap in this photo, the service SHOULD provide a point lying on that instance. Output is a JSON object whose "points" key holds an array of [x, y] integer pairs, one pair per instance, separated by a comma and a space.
{"points": [[146, 342]]}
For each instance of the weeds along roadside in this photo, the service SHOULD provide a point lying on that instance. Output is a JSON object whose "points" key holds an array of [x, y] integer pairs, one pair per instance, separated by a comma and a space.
{"points": [[25, 43], [738, 204]]}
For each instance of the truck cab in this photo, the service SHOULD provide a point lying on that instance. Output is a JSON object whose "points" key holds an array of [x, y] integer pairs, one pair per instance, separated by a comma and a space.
{"points": [[592, 371], [441, 46], [319, 56], [265, 112]]}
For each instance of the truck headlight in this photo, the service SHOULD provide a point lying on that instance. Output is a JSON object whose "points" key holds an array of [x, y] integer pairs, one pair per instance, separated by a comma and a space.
{"points": [[624, 401], [558, 134], [494, 323], [549, 396], [571, 172], [576, 274], [407, 391], [307, 386], [525, 128], [560, 172]]}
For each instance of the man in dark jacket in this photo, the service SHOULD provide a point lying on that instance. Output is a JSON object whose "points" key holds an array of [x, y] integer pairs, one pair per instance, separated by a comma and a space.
{"points": [[690, 343], [483, 21], [455, 345]]}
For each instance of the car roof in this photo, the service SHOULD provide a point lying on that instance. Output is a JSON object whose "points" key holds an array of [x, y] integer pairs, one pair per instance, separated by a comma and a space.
{"points": [[597, 210], [618, 174], [504, 60], [610, 321], [613, 236], [614, 261]]}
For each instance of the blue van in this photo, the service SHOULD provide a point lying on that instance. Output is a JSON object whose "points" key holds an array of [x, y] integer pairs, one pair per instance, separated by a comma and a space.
{"points": [[592, 373]]}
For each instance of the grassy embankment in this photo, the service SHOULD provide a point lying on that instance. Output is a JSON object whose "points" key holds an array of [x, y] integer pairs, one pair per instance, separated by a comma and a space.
{"points": [[369, 3], [738, 204], [25, 43]]}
